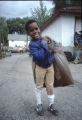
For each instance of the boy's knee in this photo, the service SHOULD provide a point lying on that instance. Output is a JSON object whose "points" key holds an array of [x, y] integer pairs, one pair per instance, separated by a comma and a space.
{"points": [[50, 90], [39, 86]]}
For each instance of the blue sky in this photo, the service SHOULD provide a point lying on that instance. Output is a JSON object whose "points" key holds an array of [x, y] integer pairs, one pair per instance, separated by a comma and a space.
{"points": [[13, 9]]}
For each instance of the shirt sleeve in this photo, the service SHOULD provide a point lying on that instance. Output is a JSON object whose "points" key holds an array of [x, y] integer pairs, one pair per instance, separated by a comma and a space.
{"points": [[39, 52]]}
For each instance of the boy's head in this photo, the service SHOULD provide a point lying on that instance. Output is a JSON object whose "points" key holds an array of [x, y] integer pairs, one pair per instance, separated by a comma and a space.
{"points": [[33, 29]]}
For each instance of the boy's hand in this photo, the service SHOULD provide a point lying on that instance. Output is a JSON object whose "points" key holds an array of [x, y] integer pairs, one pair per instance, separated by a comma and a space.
{"points": [[47, 37], [50, 44], [51, 47]]}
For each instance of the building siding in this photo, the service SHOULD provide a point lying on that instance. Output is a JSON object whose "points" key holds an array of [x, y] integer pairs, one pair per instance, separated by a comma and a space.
{"points": [[18, 40], [68, 23], [54, 30], [17, 43], [62, 30]]}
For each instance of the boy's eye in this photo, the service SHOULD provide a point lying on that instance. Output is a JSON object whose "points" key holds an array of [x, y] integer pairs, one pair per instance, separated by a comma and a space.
{"points": [[32, 30], [36, 28]]}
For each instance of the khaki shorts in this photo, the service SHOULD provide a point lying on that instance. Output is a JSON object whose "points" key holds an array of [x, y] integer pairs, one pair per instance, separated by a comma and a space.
{"points": [[45, 75]]}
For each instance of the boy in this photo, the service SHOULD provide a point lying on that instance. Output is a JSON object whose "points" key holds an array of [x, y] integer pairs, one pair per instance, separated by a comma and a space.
{"points": [[43, 60]]}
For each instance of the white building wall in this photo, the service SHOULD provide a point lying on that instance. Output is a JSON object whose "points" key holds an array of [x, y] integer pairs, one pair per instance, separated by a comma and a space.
{"points": [[54, 30], [62, 30], [18, 40], [68, 23], [17, 43]]}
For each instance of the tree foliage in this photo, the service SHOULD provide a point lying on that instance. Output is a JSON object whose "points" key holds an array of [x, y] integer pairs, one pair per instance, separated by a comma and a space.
{"points": [[40, 14], [4, 33], [17, 25]]}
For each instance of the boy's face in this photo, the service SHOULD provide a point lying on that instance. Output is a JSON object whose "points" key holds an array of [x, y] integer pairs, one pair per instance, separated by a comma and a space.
{"points": [[34, 31]]}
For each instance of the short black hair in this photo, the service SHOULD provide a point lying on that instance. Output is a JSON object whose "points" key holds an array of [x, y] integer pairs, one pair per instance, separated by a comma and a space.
{"points": [[28, 23]]}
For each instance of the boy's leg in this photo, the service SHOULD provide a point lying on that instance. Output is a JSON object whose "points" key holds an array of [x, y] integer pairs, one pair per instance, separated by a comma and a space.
{"points": [[49, 81], [50, 90], [39, 75], [39, 107], [51, 99], [49, 84], [38, 96]]}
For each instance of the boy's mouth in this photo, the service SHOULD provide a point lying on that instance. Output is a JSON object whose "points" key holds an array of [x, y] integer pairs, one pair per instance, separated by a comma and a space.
{"points": [[36, 35]]}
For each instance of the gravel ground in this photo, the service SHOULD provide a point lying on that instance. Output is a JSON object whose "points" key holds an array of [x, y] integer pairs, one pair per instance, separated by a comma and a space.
{"points": [[17, 100]]}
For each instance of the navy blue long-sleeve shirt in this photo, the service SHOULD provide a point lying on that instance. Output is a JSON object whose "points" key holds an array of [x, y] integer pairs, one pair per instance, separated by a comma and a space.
{"points": [[40, 53]]}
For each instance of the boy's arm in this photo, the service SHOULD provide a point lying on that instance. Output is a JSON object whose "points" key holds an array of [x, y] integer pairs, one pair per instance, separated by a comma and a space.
{"points": [[39, 52], [51, 43], [50, 39]]}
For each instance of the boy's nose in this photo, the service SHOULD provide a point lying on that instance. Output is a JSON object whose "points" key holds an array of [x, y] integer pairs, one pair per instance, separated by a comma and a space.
{"points": [[35, 31]]}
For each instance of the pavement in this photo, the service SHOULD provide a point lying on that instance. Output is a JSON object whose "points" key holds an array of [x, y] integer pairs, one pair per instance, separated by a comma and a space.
{"points": [[17, 99]]}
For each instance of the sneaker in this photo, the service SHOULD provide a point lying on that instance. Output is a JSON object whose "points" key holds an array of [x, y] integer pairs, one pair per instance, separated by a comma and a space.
{"points": [[39, 110], [53, 110]]}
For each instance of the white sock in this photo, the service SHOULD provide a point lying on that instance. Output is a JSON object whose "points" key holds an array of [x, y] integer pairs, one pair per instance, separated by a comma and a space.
{"points": [[38, 96], [51, 99]]}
